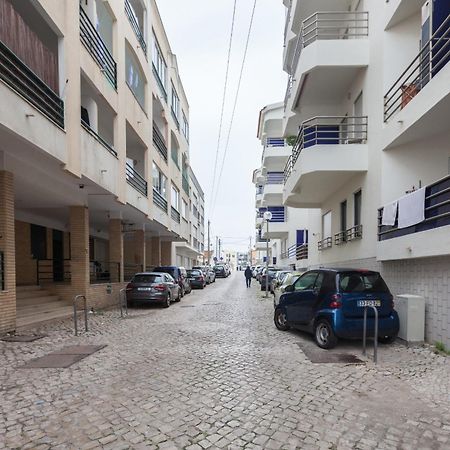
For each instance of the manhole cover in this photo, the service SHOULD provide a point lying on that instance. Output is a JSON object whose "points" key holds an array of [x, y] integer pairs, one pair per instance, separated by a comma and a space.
{"points": [[23, 338], [319, 356]]}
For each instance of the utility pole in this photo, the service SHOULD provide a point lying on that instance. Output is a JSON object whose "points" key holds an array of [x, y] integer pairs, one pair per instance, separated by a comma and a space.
{"points": [[216, 252], [220, 251], [209, 243]]}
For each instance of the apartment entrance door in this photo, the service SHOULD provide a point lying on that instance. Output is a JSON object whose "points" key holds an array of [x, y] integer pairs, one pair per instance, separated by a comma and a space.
{"points": [[58, 256]]}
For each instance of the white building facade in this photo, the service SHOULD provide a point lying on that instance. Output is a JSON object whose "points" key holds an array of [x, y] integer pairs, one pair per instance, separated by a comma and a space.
{"points": [[368, 99]]}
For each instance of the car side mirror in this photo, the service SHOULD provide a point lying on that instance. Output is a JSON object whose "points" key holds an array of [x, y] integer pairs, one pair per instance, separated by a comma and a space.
{"points": [[289, 288]]}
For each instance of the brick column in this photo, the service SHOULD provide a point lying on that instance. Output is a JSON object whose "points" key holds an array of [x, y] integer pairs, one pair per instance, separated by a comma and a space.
{"points": [[79, 249], [8, 248], [166, 253], [116, 250], [156, 252], [139, 248]]}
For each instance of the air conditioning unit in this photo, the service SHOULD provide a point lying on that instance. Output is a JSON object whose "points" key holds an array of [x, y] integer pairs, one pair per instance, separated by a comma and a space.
{"points": [[411, 312]]}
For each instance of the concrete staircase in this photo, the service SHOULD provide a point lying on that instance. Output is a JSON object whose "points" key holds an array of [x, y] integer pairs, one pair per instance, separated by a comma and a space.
{"points": [[36, 305]]}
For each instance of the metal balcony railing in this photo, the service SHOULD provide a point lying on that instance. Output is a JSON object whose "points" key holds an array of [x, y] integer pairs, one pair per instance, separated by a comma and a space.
{"points": [[327, 25], [135, 25], [287, 96], [433, 56], [95, 45], [275, 142], [53, 271], [19, 77], [160, 83], [159, 200], [2, 271], [135, 179], [278, 214], [327, 130], [355, 233], [325, 244], [97, 137], [437, 212], [159, 142], [275, 178], [301, 252], [175, 214]]}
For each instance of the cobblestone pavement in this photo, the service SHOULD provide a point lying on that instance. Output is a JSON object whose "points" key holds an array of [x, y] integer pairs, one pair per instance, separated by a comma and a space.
{"points": [[213, 372]]}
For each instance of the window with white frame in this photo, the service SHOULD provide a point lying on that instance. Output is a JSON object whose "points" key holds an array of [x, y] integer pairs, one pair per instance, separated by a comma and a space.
{"points": [[185, 127], [159, 180], [158, 63], [175, 198], [175, 103]]}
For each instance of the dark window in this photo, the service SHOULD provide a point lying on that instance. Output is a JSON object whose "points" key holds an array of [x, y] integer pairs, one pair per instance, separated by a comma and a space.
{"points": [[38, 242], [358, 282], [147, 279], [344, 215], [357, 207], [319, 281], [306, 282], [329, 283]]}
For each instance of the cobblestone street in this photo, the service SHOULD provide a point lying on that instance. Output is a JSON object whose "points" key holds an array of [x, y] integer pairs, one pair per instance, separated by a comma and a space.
{"points": [[213, 372]]}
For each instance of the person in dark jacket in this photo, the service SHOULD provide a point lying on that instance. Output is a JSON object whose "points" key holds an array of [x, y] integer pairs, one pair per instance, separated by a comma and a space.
{"points": [[248, 276]]}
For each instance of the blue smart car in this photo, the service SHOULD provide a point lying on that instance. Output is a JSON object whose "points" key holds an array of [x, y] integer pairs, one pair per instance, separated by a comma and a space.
{"points": [[330, 303]]}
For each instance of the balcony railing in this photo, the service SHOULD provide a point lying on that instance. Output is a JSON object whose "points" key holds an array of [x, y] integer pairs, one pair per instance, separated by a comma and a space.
{"points": [[325, 244], [159, 142], [437, 212], [330, 26], [352, 234], [97, 137], [185, 183], [2, 271], [278, 214], [135, 25], [135, 179], [159, 200], [275, 142], [275, 178], [19, 77], [433, 56], [53, 270], [97, 48], [327, 130], [175, 214], [301, 252], [160, 83]]}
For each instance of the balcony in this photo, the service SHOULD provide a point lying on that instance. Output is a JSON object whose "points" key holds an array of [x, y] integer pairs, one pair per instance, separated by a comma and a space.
{"points": [[276, 152], [19, 77], [416, 106], [329, 151], [97, 48], [428, 238], [159, 142], [296, 252], [159, 200], [277, 225], [136, 180], [175, 214], [185, 183], [273, 189], [137, 28]]}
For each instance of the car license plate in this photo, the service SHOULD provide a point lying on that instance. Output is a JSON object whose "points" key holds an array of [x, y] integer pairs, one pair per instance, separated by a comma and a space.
{"points": [[364, 303], [145, 289]]}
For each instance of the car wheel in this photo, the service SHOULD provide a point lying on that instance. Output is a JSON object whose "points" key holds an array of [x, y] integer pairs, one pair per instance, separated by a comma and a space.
{"points": [[168, 301], [280, 320], [324, 334], [179, 296], [183, 292], [386, 339]]}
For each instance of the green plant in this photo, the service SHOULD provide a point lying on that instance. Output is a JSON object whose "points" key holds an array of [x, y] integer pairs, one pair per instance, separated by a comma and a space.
{"points": [[290, 140], [440, 348]]}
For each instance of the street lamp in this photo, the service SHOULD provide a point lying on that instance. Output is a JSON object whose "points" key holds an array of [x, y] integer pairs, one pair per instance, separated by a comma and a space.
{"points": [[267, 218]]}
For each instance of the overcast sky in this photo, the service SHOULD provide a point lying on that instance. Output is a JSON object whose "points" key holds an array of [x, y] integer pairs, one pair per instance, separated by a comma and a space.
{"points": [[198, 31]]}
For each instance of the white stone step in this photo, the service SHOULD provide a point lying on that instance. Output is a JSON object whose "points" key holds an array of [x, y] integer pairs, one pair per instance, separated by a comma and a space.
{"points": [[29, 310], [43, 317]]}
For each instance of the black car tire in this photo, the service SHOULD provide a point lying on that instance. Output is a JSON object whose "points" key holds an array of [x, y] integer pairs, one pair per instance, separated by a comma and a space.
{"points": [[324, 335], [386, 339], [168, 301], [182, 292], [280, 320]]}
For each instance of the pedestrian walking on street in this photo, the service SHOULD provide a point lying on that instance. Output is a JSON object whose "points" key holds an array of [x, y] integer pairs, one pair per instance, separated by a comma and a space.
{"points": [[248, 276]]}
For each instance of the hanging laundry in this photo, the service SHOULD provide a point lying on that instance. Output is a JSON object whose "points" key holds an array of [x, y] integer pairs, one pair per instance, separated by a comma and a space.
{"points": [[390, 213], [411, 209]]}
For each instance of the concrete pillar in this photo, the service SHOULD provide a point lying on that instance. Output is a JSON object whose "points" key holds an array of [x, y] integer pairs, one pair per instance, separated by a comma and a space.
{"points": [[139, 248], [156, 252], [116, 250], [79, 249], [166, 253], [8, 249]]}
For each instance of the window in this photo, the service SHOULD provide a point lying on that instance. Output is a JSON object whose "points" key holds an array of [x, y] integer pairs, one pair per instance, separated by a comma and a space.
{"points": [[159, 64], [306, 282], [175, 103], [326, 225], [159, 180], [134, 77], [357, 197], [185, 128], [38, 242], [175, 153], [175, 198], [362, 282]]}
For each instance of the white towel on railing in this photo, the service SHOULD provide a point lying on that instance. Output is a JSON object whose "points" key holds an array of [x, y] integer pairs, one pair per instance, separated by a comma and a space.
{"points": [[411, 209], [389, 213]]}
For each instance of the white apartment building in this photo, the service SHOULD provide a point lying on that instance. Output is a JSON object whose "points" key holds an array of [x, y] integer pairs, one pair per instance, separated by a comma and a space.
{"points": [[94, 153], [287, 230], [368, 98]]}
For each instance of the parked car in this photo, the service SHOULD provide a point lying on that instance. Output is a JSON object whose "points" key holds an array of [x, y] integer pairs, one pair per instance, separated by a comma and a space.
{"points": [[212, 274], [255, 270], [196, 278], [278, 279], [151, 287], [289, 279], [207, 272], [221, 271], [330, 303], [180, 276], [272, 273]]}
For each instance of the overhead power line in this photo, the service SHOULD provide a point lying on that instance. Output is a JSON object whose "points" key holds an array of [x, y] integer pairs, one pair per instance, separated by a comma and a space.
{"points": [[225, 86], [234, 107]]}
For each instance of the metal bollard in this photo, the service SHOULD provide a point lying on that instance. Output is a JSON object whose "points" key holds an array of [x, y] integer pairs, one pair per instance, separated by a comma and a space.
{"points": [[122, 297], [375, 342], [75, 315]]}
